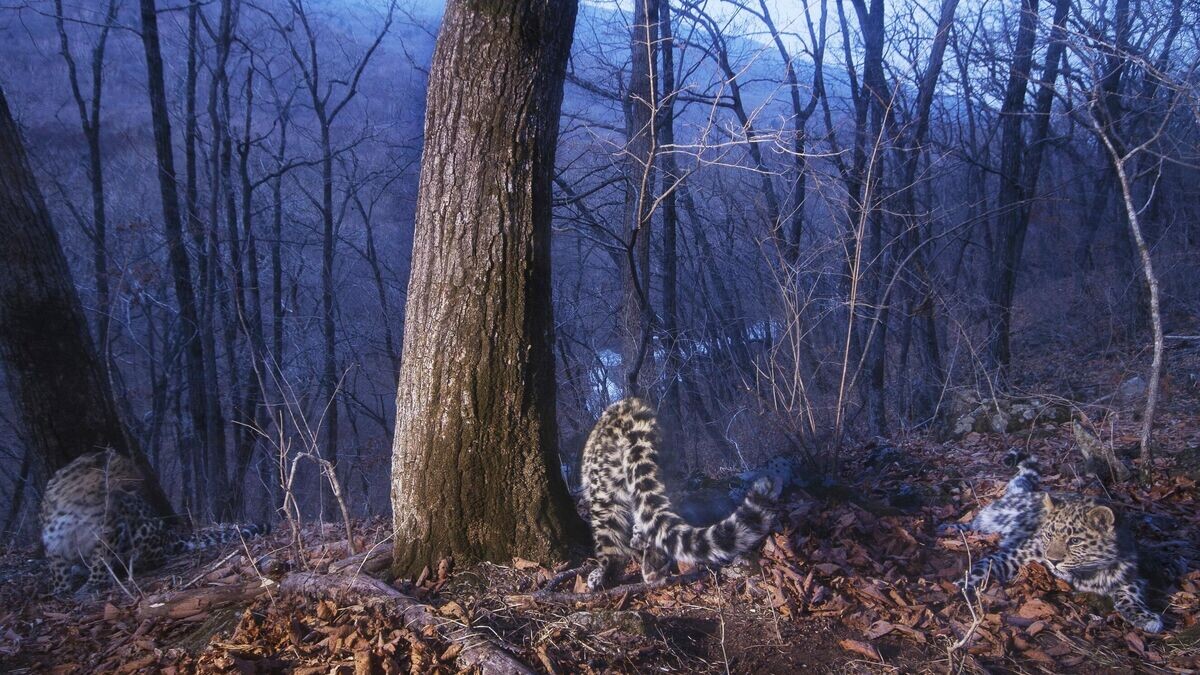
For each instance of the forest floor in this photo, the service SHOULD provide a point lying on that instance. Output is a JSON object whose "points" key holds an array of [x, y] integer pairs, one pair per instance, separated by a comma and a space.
{"points": [[857, 581]]}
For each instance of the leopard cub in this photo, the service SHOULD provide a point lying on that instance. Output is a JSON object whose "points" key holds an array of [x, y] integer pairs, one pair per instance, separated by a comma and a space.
{"points": [[631, 514], [97, 524], [1078, 538]]}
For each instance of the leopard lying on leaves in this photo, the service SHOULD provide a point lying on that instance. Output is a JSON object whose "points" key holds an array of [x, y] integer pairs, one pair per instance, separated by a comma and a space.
{"points": [[631, 515], [97, 524], [1078, 538]]}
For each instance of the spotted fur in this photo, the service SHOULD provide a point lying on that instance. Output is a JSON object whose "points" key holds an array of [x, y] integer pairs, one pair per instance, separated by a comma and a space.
{"points": [[1078, 538], [631, 514], [1015, 514], [97, 524]]}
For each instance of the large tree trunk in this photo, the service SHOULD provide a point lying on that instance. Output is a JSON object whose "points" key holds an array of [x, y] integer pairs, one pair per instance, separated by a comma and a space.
{"points": [[475, 473], [57, 381]]}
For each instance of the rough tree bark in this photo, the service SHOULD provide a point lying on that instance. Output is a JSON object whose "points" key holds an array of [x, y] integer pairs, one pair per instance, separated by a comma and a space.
{"points": [[475, 472], [57, 381]]}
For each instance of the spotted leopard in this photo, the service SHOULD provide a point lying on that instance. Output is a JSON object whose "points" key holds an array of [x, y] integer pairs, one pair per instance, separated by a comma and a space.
{"points": [[1079, 539], [97, 524], [632, 516]]}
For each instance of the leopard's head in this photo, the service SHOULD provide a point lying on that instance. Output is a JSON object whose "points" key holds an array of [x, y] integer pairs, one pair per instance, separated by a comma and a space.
{"points": [[1077, 536]]}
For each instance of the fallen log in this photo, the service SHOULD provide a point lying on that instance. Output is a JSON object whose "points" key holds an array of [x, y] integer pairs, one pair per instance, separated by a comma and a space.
{"points": [[477, 650], [196, 601]]}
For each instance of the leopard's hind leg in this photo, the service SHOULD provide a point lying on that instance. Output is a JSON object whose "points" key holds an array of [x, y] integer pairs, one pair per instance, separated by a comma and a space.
{"points": [[611, 531], [65, 574]]}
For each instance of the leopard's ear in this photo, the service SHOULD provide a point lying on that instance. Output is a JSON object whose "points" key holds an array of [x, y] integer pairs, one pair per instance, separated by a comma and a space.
{"points": [[1102, 517], [1048, 502]]}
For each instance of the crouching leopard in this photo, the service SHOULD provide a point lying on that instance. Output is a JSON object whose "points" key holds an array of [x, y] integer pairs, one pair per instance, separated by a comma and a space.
{"points": [[1079, 539], [631, 515], [97, 523]]}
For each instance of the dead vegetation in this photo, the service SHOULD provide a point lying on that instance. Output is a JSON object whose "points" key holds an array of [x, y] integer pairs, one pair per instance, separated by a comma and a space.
{"points": [[857, 581]]}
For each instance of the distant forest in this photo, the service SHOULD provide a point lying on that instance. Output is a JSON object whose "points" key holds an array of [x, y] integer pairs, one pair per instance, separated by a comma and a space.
{"points": [[795, 227]]}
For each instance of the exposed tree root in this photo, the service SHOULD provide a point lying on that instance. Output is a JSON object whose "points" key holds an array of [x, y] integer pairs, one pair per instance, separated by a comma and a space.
{"points": [[548, 596], [371, 562], [562, 576], [478, 651]]}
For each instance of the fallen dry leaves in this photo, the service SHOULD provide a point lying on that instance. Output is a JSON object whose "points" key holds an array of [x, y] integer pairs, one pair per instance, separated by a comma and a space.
{"points": [[857, 580]]}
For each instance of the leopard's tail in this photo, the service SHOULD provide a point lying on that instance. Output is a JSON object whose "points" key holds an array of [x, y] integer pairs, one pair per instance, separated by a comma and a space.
{"points": [[1029, 475], [657, 523], [723, 541], [220, 535]]}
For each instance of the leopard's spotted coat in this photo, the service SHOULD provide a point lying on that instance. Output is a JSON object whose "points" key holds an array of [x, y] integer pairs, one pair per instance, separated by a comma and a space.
{"points": [[1078, 538], [97, 523], [630, 512]]}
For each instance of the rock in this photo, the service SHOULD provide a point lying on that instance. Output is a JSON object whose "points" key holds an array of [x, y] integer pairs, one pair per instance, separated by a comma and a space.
{"points": [[704, 506], [905, 497], [781, 469], [1000, 415], [882, 455], [963, 426], [999, 422], [1132, 392], [599, 621], [1099, 458]]}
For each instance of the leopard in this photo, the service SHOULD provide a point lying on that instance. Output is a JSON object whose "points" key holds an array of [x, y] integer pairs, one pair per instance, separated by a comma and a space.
{"points": [[1015, 514], [1080, 539], [98, 524], [631, 514]]}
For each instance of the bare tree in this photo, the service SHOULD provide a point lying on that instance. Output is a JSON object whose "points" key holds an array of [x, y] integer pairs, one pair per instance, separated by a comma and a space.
{"points": [[198, 394], [329, 97], [1131, 129], [1020, 164], [641, 150], [89, 122]]}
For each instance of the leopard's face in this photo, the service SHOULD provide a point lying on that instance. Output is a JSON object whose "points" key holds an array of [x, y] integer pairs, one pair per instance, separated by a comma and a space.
{"points": [[1077, 536]]}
